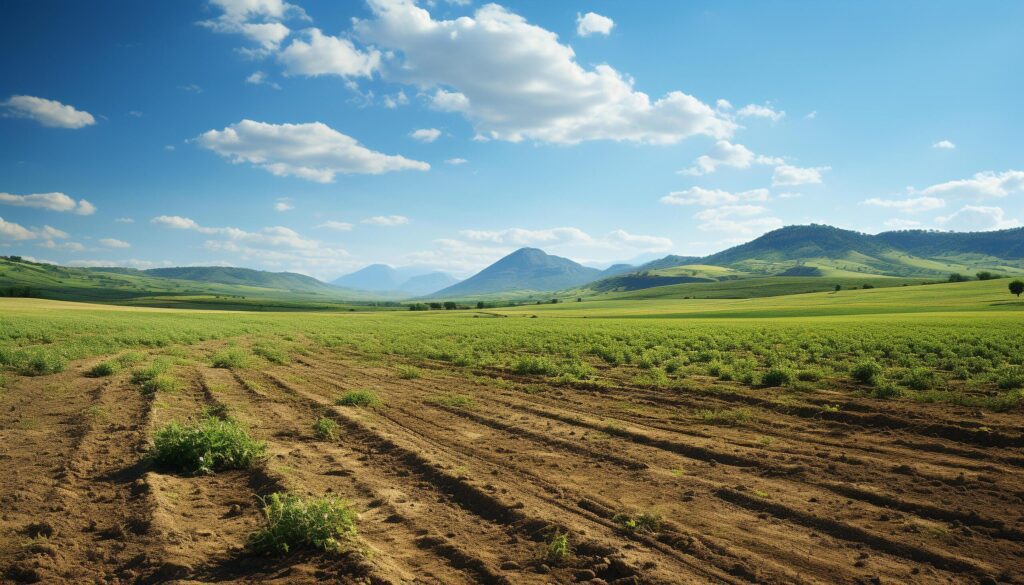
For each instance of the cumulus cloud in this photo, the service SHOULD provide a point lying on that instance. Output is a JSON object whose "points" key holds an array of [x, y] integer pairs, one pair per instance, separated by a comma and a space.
{"points": [[975, 218], [52, 201], [50, 113], [425, 134], [737, 219], [339, 226], [114, 243], [456, 161], [393, 101], [13, 231], [322, 54], [713, 197], [260, 78], [515, 81], [909, 205], [10, 230], [790, 175], [257, 20], [386, 220], [593, 23], [314, 151], [758, 111], [727, 154], [568, 236], [944, 145], [986, 184]]}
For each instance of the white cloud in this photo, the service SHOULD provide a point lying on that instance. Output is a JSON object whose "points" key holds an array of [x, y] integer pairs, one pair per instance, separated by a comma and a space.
{"points": [[727, 154], [944, 145], [811, 115], [593, 23], [340, 226], [737, 219], [525, 237], [982, 185], [713, 197], [645, 243], [790, 175], [393, 101], [910, 205], [425, 134], [973, 218], [790, 195], [758, 111], [456, 161], [191, 88], [114, 243], [124, 220], [386, 220], [13, 231], [515, 81], [51, 201], [283, 204], [68, 246], [129, 263], [260, 78], [257, 20], [315, 151], [326, 55], [901, 224], [50, 113]]}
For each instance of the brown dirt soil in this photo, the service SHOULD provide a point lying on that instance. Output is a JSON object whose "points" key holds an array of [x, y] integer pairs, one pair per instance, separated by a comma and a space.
{"points": [[772, 487]]}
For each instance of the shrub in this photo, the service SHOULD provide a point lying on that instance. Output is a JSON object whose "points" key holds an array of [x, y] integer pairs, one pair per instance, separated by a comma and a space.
{"points": [[645, 523], [919, 379], [777, 376], [809, 375], [293, 522], [232, 357], [325, 429], [359, 398], [558, 549], [209, 445], [866, 372], [161, 383], [1010, 378], [107, 368], [886, 390], [535, 365], [43, 362]]}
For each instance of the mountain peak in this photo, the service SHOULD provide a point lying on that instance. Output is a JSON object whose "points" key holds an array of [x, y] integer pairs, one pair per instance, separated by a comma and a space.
{"points": [[524, 269]]}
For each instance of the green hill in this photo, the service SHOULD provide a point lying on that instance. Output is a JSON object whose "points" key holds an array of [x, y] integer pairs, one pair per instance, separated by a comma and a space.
{"points": [[288, 281], [526, 269]]}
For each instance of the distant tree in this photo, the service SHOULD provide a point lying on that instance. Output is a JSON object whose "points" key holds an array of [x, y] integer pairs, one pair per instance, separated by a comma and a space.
{"points": [[579, 299], [839, 287], [419, 307], [479, 304], [554, 301], [957, 277], [868, 285], [986, 275], [436, 306], [450, 306], [1017, 287]]}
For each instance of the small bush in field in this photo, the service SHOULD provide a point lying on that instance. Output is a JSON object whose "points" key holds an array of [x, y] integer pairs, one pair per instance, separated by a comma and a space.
{"points": [[867, 372], [408, 372], [359, 398], [325, 429], [209, 445], [294, 523], [232, 357], [777, 376]]}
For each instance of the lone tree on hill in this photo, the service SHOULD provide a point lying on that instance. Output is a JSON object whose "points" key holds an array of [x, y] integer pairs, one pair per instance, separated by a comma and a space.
{"points": [[1017, 287]]}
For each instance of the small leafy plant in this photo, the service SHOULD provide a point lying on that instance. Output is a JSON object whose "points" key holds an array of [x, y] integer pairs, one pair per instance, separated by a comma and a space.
{"points": [[232, 357], [293, 523], [558, 550], [325, 429], [359, 398], [209, 445]]}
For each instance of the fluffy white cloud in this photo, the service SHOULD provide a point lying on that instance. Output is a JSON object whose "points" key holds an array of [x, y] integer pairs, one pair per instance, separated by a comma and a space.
{"points": [[14, 231], [944, 145], [757, 111], [974, 218], [909, 205], [50, 113], [713, 197], [593, 23], [515, 81], [270, 237], [982, 185], [339, 226], [386, 220], [737, 219], [315, 151], [68, 246], [425, 134], [257, 20], [525, 237], [727, 154], [51, 201], [114, 243], [790, 175], [393, 101], [456, 161], [260, 78], [323, 54]]}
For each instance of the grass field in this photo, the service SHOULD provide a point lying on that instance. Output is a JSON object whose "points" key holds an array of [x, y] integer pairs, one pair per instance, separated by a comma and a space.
{"points": [[859, 436]]}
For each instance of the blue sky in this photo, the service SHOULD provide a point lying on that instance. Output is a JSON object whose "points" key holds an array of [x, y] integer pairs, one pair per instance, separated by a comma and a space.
{"points": [[321, 136]]}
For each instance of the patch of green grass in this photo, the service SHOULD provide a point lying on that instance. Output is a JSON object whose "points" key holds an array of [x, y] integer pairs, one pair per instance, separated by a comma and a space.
{"points": [[294, 523], [535, 365], [231, 358], [359, 398], [161, 383], [143, 375], [209, 445], [730, 416], [558, 549], [102, 369], [866, 372], [43, 362], [408, 372], [777, 376], [325, 429], [271, 352], [454, 400], [643, 523]]}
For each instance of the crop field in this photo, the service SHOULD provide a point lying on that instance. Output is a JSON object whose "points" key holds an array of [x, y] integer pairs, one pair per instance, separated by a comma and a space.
{"points": [[867, 436]]}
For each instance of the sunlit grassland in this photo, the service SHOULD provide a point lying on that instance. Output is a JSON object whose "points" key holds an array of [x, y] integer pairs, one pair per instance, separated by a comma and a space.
{"points": [[957, 343]]}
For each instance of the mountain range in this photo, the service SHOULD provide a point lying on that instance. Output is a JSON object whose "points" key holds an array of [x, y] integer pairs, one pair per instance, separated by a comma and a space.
{"points": [[382, 278]]}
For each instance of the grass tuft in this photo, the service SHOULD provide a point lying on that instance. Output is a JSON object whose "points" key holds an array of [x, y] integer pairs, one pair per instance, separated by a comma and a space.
{"points": [[643, 523], [558, 550], [231, 358], [325, 429], [293, 523], [454, 400], [359, 398], [408, 372], [209, 445]]}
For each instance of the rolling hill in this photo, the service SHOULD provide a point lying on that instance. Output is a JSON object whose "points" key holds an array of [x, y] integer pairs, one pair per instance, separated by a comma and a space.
{"points": [[526, 269], [381, 278]]}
